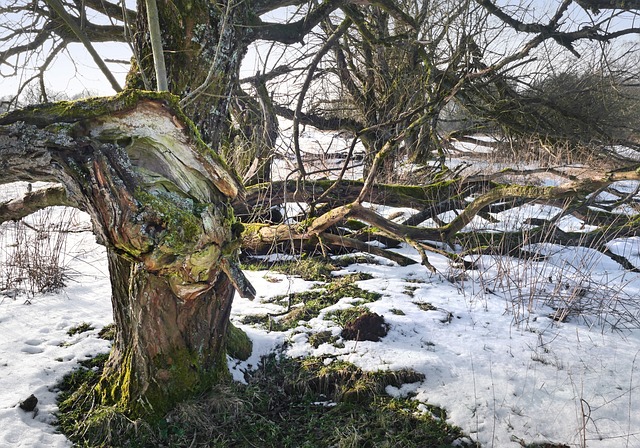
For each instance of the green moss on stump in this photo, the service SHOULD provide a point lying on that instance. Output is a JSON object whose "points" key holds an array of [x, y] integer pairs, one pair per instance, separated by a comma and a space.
{"points": [[180, 224], [239, 346], [87, 108], [177, 377]]}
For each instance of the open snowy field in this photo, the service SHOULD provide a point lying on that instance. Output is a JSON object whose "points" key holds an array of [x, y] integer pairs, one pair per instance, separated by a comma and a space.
{"points": [[498, 359], [36, 350], [543, 349]]}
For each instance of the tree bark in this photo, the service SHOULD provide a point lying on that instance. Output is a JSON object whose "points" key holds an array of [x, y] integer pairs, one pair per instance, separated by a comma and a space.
{"points": [[159, 199], [204, 44], [166, 348]]}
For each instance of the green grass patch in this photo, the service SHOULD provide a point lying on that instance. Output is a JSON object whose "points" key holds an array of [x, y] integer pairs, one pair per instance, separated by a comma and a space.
{"points": [[80, 328], [286, 403], [410, 290], [344, 316], [323, 337], [425, 306], [543, 445], [308, 304], [88, 372], [108, 332], [300, 403], [414, 280], [310, 268], [345, 260], [294, 403]]}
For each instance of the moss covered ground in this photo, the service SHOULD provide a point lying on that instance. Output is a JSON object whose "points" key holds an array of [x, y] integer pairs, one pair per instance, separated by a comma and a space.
{"points": [[285, 403], [309, 402]]}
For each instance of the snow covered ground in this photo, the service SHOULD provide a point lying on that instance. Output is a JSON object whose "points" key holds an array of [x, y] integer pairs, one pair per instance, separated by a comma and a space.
{"points": [[35, 349], [543, 350], [497, 361]]}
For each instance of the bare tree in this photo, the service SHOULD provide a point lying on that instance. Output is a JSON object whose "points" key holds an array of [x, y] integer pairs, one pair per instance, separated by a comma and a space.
{"points": [[403, 65], [158, 196], [475, 57], [147, 167]]}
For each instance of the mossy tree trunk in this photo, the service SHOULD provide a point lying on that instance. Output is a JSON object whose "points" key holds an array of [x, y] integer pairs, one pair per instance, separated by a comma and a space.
{"points": [[204, 43], [159, 200], [166, 348], [159, 197]]}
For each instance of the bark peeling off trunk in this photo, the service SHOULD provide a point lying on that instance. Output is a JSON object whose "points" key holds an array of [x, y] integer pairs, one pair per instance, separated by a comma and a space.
{"points": [[162, 149], [159, 200]]}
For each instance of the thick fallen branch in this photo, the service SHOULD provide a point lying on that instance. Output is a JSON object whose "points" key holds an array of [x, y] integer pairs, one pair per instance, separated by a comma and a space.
{"points": [[343, 241], [511, 192], [347, 191], [572, 195], [33, 201], [511, 243]]}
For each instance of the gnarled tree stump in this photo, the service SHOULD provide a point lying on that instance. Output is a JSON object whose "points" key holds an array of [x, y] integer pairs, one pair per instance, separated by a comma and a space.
{"points": [[159, 200]]}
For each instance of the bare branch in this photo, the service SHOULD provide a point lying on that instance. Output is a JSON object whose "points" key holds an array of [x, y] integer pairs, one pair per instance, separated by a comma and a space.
{"points": [[396, 11], [305, 87], [597, 5], [57, 6], [264, 6], [114, 11], [566, 38], [156, 46], [33, 201], [318, 121], [294, 32], [343, 241]]}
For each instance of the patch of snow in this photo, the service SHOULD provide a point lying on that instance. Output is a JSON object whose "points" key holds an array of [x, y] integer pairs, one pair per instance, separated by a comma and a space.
{"points": [[36, 351], [625, 151], [527, 211], [625, 186], [569, 223], [628, 248], [625, 209], [604, 196], [402, 391], [397, 214]]}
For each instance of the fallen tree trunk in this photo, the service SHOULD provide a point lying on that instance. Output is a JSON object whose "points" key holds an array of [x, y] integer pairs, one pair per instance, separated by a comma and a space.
{"points": [[571, 195], [347, 191]]}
